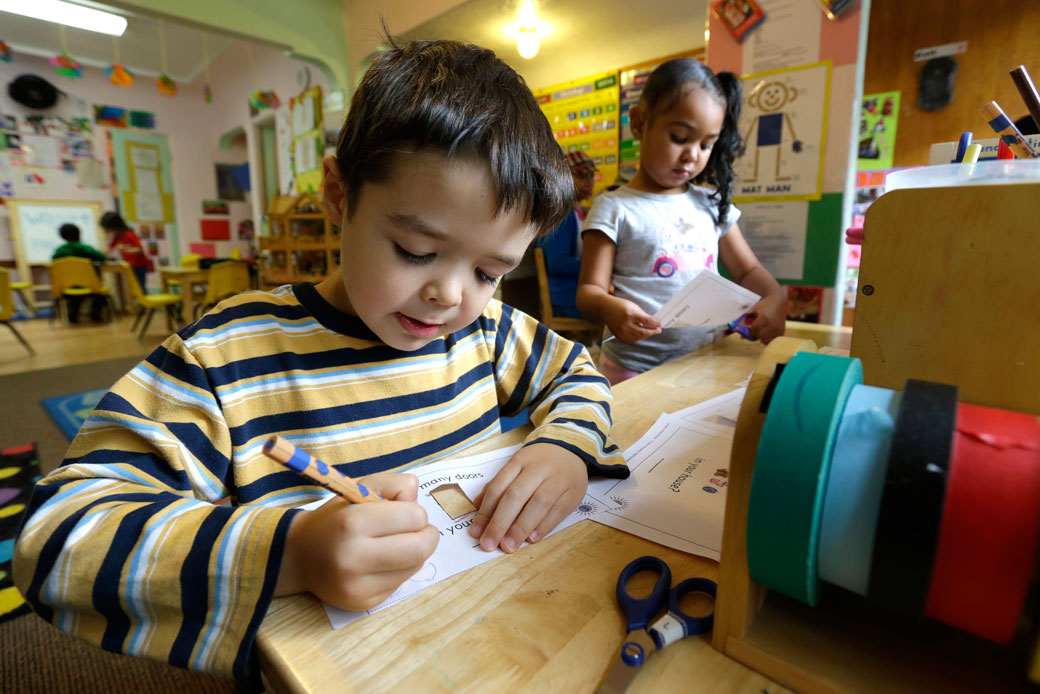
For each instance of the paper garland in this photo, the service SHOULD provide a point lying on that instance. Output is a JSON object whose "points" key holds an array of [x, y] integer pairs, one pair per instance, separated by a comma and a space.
{"points": [[66, 66]]}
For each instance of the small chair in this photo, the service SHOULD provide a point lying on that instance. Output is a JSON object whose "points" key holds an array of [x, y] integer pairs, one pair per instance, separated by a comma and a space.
{"points": [[584, 331], [225, 279], [147, 303], [236, 253], [190, 262], [7, 307], [75, 277], [24, 290]]}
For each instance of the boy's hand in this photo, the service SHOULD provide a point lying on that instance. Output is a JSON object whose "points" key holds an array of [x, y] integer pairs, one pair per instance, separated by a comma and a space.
{"points": [[354, 556], [769, 316], [628, 322], [535, 490]]}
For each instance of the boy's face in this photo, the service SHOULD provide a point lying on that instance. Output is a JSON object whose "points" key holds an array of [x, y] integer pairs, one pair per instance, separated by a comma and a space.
{"points": [[422, 254]]}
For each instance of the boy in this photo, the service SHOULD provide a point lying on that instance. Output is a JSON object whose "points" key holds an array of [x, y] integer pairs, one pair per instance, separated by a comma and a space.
{"points": [[445, 171], [74, 248]]}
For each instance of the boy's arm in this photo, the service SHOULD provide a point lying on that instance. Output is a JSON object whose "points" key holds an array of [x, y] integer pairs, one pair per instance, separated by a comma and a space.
{"points": [[744, 267], [128, 545]]}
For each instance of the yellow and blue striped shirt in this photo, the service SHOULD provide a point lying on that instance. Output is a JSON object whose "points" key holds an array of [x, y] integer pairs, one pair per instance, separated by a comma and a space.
{"points": [[161, 535]]}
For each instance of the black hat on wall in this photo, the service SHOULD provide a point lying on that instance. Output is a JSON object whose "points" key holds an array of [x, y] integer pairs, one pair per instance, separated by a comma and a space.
{"points": [[32, 91]]}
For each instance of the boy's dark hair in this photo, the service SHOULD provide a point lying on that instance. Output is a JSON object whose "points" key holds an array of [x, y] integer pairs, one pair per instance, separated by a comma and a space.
{"points": [[69, 232], [112, 220], [663, 89], [461, 100]]}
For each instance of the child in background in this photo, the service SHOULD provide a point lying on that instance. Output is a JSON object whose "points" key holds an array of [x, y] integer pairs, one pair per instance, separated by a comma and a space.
{"points": [[646, 240], [74, 248], [129, 246], [563, 246], [167, 531]]}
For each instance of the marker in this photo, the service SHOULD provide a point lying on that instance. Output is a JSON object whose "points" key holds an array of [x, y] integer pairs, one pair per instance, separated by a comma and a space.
{"points": [[972, 155], [1025, 87], [1007, 131], [327, 476], [1003, 151], [962, 147]]}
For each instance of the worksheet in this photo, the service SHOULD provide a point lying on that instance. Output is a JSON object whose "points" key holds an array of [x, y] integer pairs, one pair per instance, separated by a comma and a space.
{"points": [[446, 490], [676, 494], [709, 299]]}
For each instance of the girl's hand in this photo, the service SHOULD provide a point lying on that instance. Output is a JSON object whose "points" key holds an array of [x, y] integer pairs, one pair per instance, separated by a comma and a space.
{"points": [[628, 322], [354, 556], [536, 489], [770, 315]]}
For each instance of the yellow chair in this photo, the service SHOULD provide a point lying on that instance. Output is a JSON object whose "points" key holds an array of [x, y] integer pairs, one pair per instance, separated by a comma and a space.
{"points": [[147, 303], [225, 279], [75, 277], [190, 262], [24, 290], [580, 329], [7, 307], [236, 253]]}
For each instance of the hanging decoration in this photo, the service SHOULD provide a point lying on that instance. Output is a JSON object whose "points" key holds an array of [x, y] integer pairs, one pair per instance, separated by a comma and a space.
{"points": [[5, 52], [261, 98], [116, 73], [207, 93], [164, 83], [64, 64]]}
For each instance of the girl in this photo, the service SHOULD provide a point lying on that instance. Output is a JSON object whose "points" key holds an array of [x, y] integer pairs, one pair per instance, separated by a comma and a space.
{"points": [[646, 240], [129, 246]]}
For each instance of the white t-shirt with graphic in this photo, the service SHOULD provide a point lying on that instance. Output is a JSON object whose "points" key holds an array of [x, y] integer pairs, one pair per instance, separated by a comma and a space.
{"points": [[663, 242]]}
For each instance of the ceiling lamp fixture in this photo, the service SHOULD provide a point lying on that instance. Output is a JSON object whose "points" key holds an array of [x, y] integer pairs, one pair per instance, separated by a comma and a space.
{"points": [[528, 30], [66, 13]]}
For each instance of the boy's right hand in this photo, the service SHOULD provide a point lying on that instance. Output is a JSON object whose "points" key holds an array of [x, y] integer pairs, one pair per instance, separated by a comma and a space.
{"points": [[628, 322], [354, 556]]}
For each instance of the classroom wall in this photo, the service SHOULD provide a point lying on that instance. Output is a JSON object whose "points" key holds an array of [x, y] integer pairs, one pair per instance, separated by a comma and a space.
{"points": [[1001, 35], [191, 126]]}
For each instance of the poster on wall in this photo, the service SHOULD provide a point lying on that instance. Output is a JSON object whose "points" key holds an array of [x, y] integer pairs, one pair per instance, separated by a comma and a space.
{"points": [[784, 125], [632, 80], [583, 114], [308, 136], [878, 118]]}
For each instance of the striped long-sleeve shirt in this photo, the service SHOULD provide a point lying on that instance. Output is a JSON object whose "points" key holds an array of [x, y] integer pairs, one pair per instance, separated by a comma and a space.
{"points": [[162, 533]]}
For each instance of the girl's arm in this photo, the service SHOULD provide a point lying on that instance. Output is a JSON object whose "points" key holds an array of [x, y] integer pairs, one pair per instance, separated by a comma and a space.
{"points": [[626, 320], [744, 267]]}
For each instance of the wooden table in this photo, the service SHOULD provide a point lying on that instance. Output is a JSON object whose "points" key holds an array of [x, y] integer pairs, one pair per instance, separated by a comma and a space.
{"points": [[189, 279], [544, 619]]}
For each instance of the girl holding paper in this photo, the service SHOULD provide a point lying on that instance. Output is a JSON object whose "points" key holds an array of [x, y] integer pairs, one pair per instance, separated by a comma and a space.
{"points": [[646, 240]]}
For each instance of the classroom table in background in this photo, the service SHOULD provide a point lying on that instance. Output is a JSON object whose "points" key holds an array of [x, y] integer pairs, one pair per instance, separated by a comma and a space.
{"points": [[189, 279], [545, 618]]}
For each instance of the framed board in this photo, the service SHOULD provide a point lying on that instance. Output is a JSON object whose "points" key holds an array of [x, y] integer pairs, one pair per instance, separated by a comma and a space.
{"points": [[35, 223]]}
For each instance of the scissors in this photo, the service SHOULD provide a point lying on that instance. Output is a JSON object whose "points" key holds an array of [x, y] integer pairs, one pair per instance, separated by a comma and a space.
{"points": [[738, 327], [645, 638]]}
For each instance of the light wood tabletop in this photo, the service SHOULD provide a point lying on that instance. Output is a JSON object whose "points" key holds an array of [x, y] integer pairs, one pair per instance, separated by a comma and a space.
{"points": [[190, 278], [544, 618]]}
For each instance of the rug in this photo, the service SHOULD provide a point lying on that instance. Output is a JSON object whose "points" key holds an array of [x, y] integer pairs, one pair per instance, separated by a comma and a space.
{"points": [[19, 469], [69, 411]]}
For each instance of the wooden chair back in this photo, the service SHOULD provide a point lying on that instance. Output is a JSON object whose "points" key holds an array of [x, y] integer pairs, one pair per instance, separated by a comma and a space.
{"points": [[579, 328]]}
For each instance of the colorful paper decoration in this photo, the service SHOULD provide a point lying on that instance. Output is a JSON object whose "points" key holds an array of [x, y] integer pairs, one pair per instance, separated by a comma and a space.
{"points": [[119, 75], [5, 52], [165, 84], [262, 99], [66, 66], [207, 94], [112, 116]]}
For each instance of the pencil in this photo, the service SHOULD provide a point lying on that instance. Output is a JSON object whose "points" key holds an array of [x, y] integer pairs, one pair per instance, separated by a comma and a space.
{"points": [[327, 476], [972, 155], [1025, 87], [1007, 131], [962, 146]]}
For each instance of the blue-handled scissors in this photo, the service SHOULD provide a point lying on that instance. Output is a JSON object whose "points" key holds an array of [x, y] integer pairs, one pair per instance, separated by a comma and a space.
{"points": [[643, 637], [738, 327]]}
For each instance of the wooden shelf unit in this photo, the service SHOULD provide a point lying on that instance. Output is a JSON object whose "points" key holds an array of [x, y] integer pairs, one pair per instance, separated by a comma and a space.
{"points": [[303, 244], [952, 294]]}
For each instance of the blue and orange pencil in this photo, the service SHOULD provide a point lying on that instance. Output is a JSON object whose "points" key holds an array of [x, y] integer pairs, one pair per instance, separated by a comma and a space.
{"points": [[1007, 131], [277, 448]]}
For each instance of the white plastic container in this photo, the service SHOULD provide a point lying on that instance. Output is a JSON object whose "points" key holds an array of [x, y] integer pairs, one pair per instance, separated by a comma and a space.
{"points": [[982, 173]]}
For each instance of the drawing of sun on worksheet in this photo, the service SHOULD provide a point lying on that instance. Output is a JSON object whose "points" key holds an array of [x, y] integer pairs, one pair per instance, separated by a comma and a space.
{"points": [[446, 490]]}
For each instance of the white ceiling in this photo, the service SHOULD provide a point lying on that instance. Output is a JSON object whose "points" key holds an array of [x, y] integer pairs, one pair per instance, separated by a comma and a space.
{"points": [[186, 46], [586, 37]]}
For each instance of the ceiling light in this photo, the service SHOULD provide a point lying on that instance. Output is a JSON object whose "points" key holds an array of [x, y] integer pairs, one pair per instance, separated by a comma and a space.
{"points": [[528, 30], [68, 14]]}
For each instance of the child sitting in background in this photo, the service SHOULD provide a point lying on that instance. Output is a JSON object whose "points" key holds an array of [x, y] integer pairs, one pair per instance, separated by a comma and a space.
{"points": [[646, 240], [124, 240], [167, 532], [563, 247], [74, 248]]}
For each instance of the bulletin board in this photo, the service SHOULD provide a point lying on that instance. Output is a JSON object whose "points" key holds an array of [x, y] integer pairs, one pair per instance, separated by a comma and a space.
{"points": [[141, 165], [308, 140], [583, 114], [35, 224]]}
